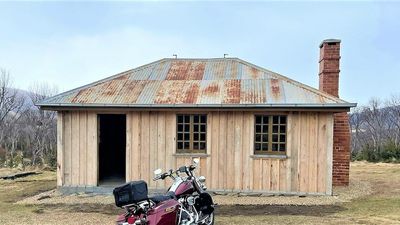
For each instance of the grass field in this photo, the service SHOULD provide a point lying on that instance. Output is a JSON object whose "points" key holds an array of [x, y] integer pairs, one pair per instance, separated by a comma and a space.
{"points": [[382, 206]]}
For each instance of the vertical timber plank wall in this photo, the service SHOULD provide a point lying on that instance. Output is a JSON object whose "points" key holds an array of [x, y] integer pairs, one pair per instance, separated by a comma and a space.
{"points": [[228, 165], [60, 149], [77, 148]]}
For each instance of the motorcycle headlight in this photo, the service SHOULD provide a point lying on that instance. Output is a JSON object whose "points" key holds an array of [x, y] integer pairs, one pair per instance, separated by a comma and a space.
{"points": [[202, 179]]}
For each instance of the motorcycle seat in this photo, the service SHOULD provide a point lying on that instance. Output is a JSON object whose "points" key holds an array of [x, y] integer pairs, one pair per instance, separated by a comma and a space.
{"points": [[160, 198]]}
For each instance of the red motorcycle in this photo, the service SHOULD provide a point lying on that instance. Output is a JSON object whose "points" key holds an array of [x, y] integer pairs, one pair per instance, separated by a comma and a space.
{"points": [[185, 202]]}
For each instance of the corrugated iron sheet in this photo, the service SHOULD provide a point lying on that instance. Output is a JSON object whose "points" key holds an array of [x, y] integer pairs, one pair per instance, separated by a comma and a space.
{"points": [[197, 82]]}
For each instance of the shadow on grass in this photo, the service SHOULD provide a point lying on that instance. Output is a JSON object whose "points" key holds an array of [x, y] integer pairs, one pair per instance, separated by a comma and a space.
{"points": [[302, 210], [223, 210]]}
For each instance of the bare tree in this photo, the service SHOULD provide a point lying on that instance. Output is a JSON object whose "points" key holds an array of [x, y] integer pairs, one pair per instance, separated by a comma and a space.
{"points": [[42, 127], [11, 108]]}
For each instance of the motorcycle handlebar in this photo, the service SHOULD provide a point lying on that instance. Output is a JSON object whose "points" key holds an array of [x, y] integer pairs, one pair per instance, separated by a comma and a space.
{"points": [[182, 169]]}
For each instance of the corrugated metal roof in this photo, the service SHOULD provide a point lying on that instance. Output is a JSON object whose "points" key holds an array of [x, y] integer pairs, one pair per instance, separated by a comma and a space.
{"points": [[222, 82]]}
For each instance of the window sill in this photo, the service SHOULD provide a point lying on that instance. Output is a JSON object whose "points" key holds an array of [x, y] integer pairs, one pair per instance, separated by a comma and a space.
{"points": [[269, 156], [201, 155]]}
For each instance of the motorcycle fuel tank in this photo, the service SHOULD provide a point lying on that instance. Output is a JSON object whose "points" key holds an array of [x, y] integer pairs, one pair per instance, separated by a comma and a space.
{"points": [[165, 213], [184, 188]]}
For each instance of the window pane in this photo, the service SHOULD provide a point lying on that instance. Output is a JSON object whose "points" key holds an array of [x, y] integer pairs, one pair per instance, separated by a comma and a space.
{"points": [[258, 137], [196, 119], [203, 128], [282, 147], [180, 145], [203, 136], [265, 138], [275, 138], [275, 129], [180, 128], [180, 119], [275, 119], [282, 138], [180, 136], [195, 145], [203, 119], [257, 146], [283, 129], [195, 128], [274, 147], [265, 129], [187, 119], [187, 137], [187, 145], [258, 129], [196, 136], [264, 147], [187, 128], [283, 119], [202, 145], [258, 119]]}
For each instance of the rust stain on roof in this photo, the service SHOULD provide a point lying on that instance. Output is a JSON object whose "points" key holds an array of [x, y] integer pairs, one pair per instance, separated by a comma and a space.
{"points": [[169, 92], [211, 89], [178, 70], [181, 70], [275, 90], [191, 93], [131, 91], [196, 71], [231, 92], [254, 73]]}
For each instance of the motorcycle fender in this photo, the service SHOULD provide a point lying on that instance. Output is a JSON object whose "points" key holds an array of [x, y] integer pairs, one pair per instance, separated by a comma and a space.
{"points": [[164, 213]]}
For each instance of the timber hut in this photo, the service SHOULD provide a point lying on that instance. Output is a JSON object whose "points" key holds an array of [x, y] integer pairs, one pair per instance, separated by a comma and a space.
{"points": [[253, 130]]}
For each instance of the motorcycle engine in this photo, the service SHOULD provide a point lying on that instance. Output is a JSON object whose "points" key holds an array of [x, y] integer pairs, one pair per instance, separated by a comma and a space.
{"points": [[204, 203]]}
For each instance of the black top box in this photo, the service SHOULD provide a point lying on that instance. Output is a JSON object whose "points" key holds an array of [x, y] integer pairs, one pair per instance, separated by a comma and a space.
{"points": [[130, 193]]}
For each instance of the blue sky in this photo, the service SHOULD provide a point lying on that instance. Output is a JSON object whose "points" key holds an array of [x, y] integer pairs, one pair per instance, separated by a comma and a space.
{"points": [[72, 44]]}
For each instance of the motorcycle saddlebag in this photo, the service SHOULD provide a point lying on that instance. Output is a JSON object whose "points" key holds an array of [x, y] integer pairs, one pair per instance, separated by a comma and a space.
{"points": [[130, 193]]}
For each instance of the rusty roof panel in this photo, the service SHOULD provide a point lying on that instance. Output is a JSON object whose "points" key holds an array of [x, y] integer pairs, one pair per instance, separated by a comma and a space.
{"points": [[210, 92], [199, 82], [186, 70], [130, 91], [275, 92], [231, 92]]}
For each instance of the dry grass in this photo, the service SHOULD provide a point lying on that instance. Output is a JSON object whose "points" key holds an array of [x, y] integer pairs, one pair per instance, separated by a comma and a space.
{"points": [[372, 198]]}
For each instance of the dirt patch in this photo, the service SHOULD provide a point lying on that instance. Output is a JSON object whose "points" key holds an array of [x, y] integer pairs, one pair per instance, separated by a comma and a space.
{"points": [[106, 209]]}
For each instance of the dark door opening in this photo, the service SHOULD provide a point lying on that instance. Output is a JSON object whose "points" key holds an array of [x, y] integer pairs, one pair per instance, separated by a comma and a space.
{"points": [[112, 148]]}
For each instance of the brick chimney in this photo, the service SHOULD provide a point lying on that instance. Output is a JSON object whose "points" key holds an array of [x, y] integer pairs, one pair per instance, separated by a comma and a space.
{"points": [[329, 83]]}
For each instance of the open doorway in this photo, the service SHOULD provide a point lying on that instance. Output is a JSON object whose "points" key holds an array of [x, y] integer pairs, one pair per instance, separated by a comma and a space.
{"points": [[112, 148]]}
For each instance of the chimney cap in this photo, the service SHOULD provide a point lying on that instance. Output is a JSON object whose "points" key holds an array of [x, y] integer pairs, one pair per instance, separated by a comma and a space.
{"points": [[329, 41]]}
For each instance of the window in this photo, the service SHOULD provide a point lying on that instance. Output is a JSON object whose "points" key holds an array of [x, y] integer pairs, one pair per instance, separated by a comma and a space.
{"points": [[191, 133], [270, 134]]}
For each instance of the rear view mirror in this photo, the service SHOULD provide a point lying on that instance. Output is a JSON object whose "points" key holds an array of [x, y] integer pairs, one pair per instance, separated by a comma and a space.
{"points": [[157, 172], [182, 169]]}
